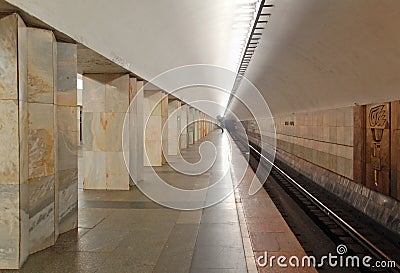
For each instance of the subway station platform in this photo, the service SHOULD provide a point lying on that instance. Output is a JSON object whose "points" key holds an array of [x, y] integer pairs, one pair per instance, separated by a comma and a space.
{"points": [[124, 231]]}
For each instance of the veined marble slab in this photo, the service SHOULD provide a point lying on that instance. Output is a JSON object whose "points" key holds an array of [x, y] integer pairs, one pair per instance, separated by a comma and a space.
{"points": [[94, 93], [152, 154], [115, 163], [67, 150], [153, 126], [117, 93], [8, 57], [41, 139], [23, 177], [113, 124], [68, 199], [135, 135], [9, 137], [40, 65], [67, 118], [94, 170], [41, 212], [118, 182], [22, 60], [94, 131], [9, 226], [66, 74], [152, 103]]}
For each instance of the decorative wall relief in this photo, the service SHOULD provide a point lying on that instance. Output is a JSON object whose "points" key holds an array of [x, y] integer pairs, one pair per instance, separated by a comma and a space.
{"points": [[378, 147]]}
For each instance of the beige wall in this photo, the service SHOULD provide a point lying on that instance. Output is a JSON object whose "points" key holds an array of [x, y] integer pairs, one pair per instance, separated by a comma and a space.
{"points": [[324, 138]]}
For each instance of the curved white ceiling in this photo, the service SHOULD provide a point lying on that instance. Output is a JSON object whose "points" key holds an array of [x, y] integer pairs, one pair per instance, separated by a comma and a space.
{"points": [[325, 54], [313, 54]]}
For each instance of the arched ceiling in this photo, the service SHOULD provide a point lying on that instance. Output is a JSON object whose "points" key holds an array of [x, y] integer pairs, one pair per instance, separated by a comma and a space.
{"points": [[313, 54], [326, 54]]}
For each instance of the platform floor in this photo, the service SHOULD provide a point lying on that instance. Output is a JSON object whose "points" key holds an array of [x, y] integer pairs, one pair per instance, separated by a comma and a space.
{"points": [[124, 231]]}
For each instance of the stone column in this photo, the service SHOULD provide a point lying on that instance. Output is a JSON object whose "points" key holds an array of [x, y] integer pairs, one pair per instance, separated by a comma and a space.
{"points": [[191, 125], [155, 115], [14, 196], [136, 131], [164, 118], [174, 125], [105, 102], [67, 137], [42, 141], [183, 138], [196, 125]]}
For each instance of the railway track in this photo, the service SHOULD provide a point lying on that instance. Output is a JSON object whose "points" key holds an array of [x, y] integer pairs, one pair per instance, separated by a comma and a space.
{"points": [[322, 222]]}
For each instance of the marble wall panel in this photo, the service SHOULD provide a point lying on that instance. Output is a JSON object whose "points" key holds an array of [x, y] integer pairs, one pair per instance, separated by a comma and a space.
{"points": [[68, 199], [40, 65], [9, 136], [66, 74], [153, 109], [23, 176], [174, 122], [116, 171], [94, 170], [153, 127], [94, 93], [94, 131], [152, 154], [183, 138], [43, 199], [117, 93], [112, 123], [152, 102], [67, 150], [103, 128], [41, 139], [136, 131], [22, 60], [8, 57], [191, 125], [41, 212], [67, 118], [9, 226], [14, 218]]}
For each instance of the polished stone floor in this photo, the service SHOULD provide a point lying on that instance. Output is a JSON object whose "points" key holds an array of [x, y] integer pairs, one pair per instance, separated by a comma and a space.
{"points": [[124, 231]]}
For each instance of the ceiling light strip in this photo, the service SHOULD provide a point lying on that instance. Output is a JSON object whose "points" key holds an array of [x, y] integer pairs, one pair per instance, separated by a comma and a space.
{"points": [[252, 43]]}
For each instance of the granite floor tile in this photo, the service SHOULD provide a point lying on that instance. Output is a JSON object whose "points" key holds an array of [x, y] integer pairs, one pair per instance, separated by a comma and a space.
{"points": [[177, 256], [218, 257], [219, 215], [227, 235]]}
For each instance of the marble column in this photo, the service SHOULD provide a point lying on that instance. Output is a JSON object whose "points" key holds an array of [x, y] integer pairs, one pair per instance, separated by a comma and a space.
{"points": [[136, 131], [14, 196], [183, 138], [191, 125], [67, 137], [197, 125], [174, 125], [43, 190], [155, 115], [164, 118], [105, 101]]}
